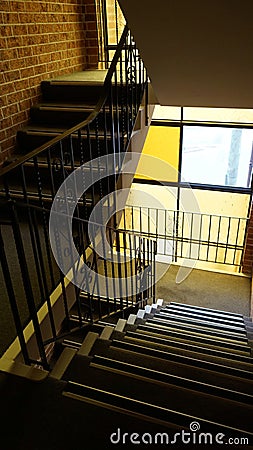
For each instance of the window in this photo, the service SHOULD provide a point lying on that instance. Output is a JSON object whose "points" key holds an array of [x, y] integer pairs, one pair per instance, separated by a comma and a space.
{"points": [[217, 155]]}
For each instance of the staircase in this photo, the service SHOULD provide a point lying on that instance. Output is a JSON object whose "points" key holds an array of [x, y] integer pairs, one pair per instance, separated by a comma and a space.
{"points": [[169, 365], [66, 101]]}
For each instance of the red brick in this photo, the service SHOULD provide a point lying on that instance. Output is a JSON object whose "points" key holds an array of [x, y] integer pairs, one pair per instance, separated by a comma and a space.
{"points": [[41, 39]]}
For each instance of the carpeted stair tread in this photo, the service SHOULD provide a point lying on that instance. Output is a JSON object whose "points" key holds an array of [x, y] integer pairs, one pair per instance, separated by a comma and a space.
{"points": [[219, 358], [197, 331], [181, 370], [206, 325], [182, 400], [204, 309], [240, 324], [195, 347], [161, 377], [175, 357], [195, 339], [62, 113], [84, 76]]}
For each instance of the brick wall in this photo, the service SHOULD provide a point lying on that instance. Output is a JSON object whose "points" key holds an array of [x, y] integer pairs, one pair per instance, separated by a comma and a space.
{"points": [[40, 40], [247, 266]]}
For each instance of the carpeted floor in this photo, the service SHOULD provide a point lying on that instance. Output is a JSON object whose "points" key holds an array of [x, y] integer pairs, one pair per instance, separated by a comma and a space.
{"points": [[209, 289]]}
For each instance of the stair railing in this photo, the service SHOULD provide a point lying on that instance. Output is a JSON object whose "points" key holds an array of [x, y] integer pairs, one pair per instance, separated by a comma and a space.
{"points": [[28, 187], [184, 235]]}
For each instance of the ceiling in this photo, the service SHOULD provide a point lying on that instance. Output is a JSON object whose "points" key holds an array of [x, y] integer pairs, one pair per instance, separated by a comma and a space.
{"points": [[197, 53]]}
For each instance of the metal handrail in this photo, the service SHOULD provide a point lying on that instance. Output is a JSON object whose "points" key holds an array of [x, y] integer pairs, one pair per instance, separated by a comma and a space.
{"points": [[29, 185], [192, 234]]}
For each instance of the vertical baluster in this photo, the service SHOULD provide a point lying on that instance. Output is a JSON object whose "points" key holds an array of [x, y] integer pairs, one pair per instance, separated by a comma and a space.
{"points": [[27, 283], [127, 91], [218, 240], [227, 240], [69, 202], [43, 272], [236, 239], [125, 264], [44, 220], [37, 259], [111, 237], [200, 234], [12, 300], [192, 220], [209, 235]]}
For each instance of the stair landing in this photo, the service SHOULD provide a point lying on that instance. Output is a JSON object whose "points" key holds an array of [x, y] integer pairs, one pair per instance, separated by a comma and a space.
{"points": [[86, 76]]}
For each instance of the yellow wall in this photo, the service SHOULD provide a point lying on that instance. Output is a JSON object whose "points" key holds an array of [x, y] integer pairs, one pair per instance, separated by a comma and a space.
{"points": [[163, 142]]}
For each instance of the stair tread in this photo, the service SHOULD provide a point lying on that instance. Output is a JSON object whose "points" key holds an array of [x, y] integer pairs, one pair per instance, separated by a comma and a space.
{"points": [[201, 322], [197, 330], [196, 315], [175, 398], [194, 338], [162, 377], [189, 346], [86, 76], [188, 371], [53, 129], [205, 309], [65, 104], [174, 357], [194, 354]]}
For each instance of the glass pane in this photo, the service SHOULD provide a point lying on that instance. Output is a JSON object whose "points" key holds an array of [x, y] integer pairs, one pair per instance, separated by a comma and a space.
{"points": [[216, 155], [228, 204], [166, 113], [227, 115]]}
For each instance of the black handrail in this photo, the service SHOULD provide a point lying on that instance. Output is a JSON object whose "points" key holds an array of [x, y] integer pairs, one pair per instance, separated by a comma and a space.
{"points": [[28, 188]]}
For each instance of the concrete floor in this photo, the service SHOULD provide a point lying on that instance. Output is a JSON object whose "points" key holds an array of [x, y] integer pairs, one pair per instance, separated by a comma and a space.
{"points": [[208, 289]]}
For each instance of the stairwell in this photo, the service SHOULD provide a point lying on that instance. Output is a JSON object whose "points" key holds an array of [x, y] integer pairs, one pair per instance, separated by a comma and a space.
{"points": [[166, 369]]}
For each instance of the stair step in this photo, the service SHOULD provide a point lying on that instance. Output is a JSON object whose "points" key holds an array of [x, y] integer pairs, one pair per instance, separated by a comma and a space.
{"points": [[205, 310], [34, 135], [168, 397], [195, 338], [138, 334], [203, 316], [56, 115], [222, 360], [197, 330], [183, 359], [237, 330], [78, 86], [64, 114], [144, 372], [179, 369]]}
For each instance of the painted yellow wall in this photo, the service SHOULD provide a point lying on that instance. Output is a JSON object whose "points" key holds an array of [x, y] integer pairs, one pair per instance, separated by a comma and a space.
{"points": [[163, 142]]}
